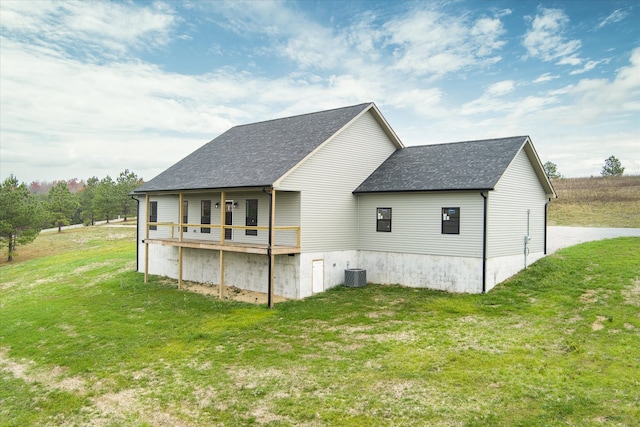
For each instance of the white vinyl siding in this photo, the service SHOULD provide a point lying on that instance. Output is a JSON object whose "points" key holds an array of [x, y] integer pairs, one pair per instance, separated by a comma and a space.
{"points": [[517, 191], [194, 216], [167, 212], [326, 181], [287, 214], [417, 223]]}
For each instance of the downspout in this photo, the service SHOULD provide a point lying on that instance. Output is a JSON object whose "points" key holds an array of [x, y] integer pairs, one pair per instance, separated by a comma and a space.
{"points": [[546, 206], [484, 243], [138, 233], [270, 193]]}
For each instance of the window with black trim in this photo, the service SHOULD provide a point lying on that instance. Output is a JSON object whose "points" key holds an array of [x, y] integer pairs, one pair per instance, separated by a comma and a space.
{"points": [[153, 214], [383, 219], [251, 217], [185, 214], [451, 220], [205, 215]]}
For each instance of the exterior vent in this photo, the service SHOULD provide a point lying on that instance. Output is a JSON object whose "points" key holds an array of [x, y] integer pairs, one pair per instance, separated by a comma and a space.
{"points": [[355, 277]]}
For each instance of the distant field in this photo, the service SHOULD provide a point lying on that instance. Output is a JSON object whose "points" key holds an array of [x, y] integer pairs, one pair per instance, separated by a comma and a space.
{"points": [[596, 202], [83, 341]]}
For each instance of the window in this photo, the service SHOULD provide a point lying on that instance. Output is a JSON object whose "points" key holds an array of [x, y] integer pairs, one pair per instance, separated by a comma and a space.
{"points": [[251, 217], [205, 215], [450, 220], [153, 214], [383, 219], [185, 214]]}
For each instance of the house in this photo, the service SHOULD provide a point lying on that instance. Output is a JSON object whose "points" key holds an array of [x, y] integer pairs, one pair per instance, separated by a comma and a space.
{"points": [[287, 205]]}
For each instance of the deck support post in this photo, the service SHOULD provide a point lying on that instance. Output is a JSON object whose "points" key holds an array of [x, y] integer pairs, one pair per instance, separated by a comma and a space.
{"points": [[179, 267], [221, 293], [272, 220], [223, 213], [146, 241], [180, 221]]}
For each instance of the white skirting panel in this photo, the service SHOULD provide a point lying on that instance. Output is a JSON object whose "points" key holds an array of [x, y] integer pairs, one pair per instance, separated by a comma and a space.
{"points": [[245, 271], [500, 269], [446, 273], [294, 275]]}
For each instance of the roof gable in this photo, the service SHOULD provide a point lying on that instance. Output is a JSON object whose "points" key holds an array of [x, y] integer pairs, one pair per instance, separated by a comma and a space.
{"points": [[254, 155], [469, 165]]}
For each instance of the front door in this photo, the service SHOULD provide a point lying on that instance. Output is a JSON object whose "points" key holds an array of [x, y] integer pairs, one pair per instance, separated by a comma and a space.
{"points": [[228, 220]]}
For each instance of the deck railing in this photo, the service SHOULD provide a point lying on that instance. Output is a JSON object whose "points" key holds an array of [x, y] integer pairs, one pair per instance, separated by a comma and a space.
{"points": [[176, 233]]}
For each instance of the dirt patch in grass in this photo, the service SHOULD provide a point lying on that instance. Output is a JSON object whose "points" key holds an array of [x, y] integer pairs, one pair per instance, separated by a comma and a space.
{"points": [[52, 379], [104, 408], [231, 293], [589, 297], [598, 325], [632, 295]]}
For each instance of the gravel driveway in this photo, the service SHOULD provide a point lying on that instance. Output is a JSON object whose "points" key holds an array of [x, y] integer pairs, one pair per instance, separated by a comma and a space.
{"points": [[561, 237]]}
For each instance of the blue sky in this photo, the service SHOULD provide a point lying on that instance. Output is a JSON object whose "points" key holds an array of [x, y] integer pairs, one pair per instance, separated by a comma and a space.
{"points": [[92, 88]]}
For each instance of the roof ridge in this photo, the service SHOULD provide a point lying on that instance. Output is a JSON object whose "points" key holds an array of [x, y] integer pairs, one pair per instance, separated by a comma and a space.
{"points": [[303, 114], [469, 141]]}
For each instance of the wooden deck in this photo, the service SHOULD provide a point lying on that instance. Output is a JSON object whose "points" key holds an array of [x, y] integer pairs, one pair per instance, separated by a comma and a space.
{"points": [[229, 246]]}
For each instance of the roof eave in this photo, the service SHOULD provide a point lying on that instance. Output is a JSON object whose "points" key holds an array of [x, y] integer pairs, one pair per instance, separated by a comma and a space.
{"points": [[436, 190], [202, 189], [539, 168], [386, 127]]}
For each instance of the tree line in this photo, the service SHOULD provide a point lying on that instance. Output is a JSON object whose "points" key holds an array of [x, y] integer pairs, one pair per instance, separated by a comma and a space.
{"points": [[25, 210], [612, 167]]}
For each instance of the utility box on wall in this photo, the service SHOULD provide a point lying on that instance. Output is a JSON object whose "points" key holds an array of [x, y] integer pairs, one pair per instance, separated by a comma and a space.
{"points": [[355, 277]]}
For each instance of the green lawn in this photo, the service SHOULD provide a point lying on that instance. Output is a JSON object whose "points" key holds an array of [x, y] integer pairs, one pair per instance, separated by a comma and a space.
{"points": [[84, 341]]}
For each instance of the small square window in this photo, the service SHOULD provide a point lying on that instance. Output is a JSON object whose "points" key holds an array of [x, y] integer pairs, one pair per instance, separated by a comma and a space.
{"points": [[383, 219], [451, 220]]}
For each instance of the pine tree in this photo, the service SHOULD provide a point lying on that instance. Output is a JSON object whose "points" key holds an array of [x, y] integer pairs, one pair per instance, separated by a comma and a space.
{"points": [[612, 167], [21, 215], [86, 200], [551, 169], [105, 199], [126, 183], [62, 204]]}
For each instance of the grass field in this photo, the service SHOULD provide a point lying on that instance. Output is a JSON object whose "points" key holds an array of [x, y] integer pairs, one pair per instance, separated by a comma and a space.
{"points": [[83, 341], [596, 202]]}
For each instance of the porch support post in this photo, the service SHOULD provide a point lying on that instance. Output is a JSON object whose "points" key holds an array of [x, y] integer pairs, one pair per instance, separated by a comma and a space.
{"points": [[223, 213], [221, 293], [181, 214], [180, 217], [179, 267], [146, 241], [272, 221]]}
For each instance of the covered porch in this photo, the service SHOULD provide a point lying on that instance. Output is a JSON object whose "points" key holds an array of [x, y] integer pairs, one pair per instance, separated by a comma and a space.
{"points": [[181, 233]]}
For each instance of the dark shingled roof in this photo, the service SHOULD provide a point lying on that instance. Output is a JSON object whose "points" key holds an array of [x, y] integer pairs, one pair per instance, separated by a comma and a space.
{"points": [[253, 155], [471, 165]]}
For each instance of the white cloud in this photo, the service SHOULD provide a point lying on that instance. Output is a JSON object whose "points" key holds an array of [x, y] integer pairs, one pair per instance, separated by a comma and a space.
{"points": [[590, 65], [492, 100], [433, 44], [615, 16], [114, 28], [546, 77], [501, 88], [545, 39]]}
